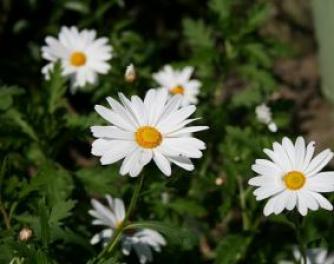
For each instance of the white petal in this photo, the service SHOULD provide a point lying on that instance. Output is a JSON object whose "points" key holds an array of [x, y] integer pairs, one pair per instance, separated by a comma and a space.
{"points": [[114, 118], [318, 162], [119, 210], [300, 153], [111, 132], [290, 151], [162, 162], [182, 162], [323, 202], [267, 191], [187, 130], [301, 204]]}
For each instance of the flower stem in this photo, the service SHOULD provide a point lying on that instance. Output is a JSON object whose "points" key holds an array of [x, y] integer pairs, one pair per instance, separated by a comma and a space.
{"points": [[298, 224], [242, 197]]}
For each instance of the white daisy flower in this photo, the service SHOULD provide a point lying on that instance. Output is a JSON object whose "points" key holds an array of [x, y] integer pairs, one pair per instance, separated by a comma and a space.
{"points": [[144, 130], [143, 241], [111, 217], [313, 256], [293, 178], [179, 82], [264, 116], [82, 55]]}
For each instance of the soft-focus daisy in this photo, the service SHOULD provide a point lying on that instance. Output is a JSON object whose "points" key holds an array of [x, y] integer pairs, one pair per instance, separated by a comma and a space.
{"points": [[142, 241], [179, 82], [313, 256], [144, 130], [293, 178], [80, 53], [111, 217], [264, 115]]}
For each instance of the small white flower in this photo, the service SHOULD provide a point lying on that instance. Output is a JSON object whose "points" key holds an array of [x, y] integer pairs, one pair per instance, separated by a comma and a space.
{"points": [[313, 256], [143, 242], [293, 178], [130, 73], [264, 115], [179, 82], [144, 130], [112, 217], [81, 54]]}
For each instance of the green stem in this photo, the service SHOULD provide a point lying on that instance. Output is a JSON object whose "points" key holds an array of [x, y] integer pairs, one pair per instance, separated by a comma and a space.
{"points": [[106, 252], [242, 197], [298, 224]]}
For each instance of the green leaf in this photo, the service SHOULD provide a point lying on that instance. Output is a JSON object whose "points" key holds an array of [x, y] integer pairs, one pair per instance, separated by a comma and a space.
{"points": [[21, 122], [198, 34], [55, 88], [231, 249], [100, 180], [77, 6], [60, 211], [7, 94], [186, 206], [222, 8]]}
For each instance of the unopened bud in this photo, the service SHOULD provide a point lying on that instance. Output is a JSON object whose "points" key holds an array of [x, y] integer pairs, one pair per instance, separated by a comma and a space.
{"points": [[25, 234], [219, 181], [130, 73]]}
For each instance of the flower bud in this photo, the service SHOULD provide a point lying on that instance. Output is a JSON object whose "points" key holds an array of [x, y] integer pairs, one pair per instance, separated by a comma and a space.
{"points": [[25, 234], [130, 73]]}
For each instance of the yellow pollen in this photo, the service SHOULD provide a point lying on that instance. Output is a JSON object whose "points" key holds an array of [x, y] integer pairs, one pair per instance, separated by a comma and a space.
{"points": [[148, 137], [294, 180], [118, 224], [78, 59], [179, 89]]}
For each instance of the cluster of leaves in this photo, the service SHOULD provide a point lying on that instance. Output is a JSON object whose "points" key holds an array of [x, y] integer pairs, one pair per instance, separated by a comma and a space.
{"points": [[48, 175]]}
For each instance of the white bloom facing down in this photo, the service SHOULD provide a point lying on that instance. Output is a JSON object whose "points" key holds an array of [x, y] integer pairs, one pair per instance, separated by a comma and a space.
{"points": [[142, 241], [81, 54], [293, 178], [313, 256], [264, 115], [144, 130], [179, 82]]}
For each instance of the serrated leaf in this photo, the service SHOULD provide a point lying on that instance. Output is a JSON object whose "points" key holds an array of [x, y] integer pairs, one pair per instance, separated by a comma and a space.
{"points": [[231, 249], [55, 88], [6, 96], [18, 119], [60, 211]]}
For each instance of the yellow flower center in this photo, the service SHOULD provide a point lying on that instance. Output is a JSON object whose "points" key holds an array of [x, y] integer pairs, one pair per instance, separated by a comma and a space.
{"points": [[118, 224], [148, 137], [179, 89], [78, 59], [294, 180]]}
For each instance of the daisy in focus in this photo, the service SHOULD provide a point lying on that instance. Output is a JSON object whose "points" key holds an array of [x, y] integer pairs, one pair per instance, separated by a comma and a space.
{"points": [[264, 116], [81, 54], [179, 82], [143, 242], [292, 177], [143, 130]]}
